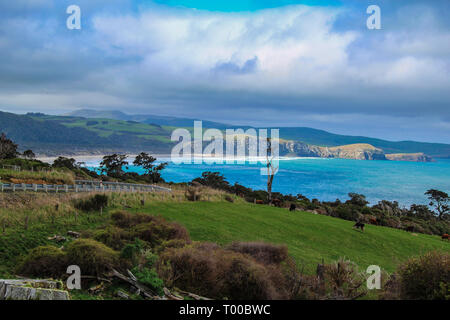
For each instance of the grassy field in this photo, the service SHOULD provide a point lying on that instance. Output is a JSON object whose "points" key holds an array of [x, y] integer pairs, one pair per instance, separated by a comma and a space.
{"points": [[309, 237]]}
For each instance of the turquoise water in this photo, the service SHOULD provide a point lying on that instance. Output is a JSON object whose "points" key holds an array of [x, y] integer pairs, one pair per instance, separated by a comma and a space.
{"points": [[331, 179]]}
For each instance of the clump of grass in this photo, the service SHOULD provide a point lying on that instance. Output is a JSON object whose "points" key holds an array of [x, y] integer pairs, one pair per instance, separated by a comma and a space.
{"points": [[43, 261], [93, 258], [40, 177]]}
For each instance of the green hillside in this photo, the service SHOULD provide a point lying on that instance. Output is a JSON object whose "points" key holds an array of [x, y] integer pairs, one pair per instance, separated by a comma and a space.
{"points": [[62, 135], [309, 237], [72, 134], [304, 134]]}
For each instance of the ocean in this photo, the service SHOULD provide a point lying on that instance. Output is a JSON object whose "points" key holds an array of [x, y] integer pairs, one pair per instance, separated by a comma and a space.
{"points": [[328, 179]]}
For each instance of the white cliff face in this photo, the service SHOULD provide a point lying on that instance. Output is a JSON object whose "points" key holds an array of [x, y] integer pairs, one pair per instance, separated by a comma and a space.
{"points": [[354, 151]]}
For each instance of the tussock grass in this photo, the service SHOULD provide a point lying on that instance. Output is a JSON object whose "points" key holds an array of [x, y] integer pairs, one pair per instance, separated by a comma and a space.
{"points": [[49, 177]]}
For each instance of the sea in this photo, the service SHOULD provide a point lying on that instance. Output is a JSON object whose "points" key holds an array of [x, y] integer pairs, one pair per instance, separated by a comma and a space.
{"points": [[326, 179]]}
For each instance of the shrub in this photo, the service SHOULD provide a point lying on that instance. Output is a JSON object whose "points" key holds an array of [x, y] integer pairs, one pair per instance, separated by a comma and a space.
{"points": [[94, 258], [229, 198], [133, 251], [193, 193], [149, 278], [426, 277], [209, 270], [124, 219], [112, 236], [160, 230], [174, 243], [44, 261], [343, 280], [94, 203], [264, 253]]}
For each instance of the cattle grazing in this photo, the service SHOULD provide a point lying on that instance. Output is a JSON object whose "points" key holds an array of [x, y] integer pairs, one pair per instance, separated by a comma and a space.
{"points": [[445, 236], [410, 228], [373, 221], [276, 202], [359, 225], [259, 202], [292, 207]]}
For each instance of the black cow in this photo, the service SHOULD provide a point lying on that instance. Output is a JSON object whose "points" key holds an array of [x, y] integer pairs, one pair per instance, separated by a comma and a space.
{"points": [[359, 225], [292, 207]]}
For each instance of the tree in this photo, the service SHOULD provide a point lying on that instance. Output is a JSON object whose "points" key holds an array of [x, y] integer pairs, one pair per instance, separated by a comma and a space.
{"points": [[357, 199], [440, 200], [214, 180], [29, 154], [8, 149], [63, 162], [152, 170], [271, 169], [113, 165]]}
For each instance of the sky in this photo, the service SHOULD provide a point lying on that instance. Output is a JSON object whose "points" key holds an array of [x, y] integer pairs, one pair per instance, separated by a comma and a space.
{"points": [[252, 62]]}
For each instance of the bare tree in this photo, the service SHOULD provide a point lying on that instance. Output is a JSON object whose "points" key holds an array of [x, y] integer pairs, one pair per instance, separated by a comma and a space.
{"points": [[271, 169]]}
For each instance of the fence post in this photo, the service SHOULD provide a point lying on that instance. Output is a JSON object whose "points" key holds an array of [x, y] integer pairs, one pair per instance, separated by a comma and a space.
{"points": [[66, 188], [24, 187], [35, 187], [56, 188]]}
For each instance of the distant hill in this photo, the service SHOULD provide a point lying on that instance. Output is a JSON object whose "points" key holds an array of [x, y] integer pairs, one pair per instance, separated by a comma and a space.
{"points": [[68, 135], [150, 119], [302, 134], [96, 133]]}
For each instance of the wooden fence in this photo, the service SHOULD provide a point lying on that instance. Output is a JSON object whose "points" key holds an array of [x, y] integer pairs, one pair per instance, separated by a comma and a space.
{"points": [[83, 186]]}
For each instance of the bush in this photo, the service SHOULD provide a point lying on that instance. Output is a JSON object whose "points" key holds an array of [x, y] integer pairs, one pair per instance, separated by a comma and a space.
{"points": [[44, 261], [209, 270], [159, 230], [426, 277], [94, 258], [149, 278], [125, 219], [94, 203], [112, 236], [264, 253]]}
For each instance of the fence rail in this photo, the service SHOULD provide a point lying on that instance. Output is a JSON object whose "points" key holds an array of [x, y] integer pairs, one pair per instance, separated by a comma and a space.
{"points": [[83, 186]]}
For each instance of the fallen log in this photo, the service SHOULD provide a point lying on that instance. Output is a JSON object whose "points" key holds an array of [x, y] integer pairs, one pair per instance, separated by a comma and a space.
{"points": [[144, 290]]}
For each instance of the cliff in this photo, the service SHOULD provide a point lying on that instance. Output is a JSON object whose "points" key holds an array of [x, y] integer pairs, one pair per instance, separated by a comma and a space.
{"points": [[415, 157], [359, 151]]}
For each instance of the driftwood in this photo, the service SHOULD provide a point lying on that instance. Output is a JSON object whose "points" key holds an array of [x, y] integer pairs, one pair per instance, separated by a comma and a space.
{"points": [[122, 295], [172, 296], [97, 288], [57, 238], [147, 292], [193, 296], [144, 290], [97, 278], [73, 234]]}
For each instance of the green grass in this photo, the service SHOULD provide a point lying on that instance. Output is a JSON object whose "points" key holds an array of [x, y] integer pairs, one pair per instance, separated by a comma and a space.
{"points": [[309, 237], [18, 241], [57, 177]]}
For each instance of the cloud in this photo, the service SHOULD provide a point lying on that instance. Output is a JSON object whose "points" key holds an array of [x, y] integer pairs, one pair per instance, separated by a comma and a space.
{"points": [[291, 62]]}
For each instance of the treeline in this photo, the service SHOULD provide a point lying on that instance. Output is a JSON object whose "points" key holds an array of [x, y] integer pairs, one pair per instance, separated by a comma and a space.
{"points": [[416, 218]]}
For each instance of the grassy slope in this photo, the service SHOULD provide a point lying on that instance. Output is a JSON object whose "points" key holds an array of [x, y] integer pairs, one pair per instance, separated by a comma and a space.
{"points": [[309, 237]]}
